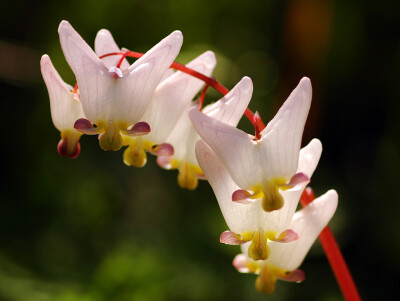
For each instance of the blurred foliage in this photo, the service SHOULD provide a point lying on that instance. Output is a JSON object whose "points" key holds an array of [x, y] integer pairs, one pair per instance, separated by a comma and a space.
{"points": [[94, 229]]}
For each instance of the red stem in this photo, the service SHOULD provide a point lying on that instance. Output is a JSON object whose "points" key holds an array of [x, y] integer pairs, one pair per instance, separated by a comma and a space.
{"points": [[212, 82], [334, 255]]}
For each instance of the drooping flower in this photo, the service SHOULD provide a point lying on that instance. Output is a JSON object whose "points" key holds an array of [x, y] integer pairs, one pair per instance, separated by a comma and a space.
{"points": [[249, 222], [170, 101], [274, 243], [228, 109], [65, 109], [264, 167], [285, 259], [114, 99]]}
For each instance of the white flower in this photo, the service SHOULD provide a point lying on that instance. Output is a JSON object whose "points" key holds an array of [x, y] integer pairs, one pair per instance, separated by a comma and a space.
{"points": [[170, 101], [115, 99], [249, 222], [65, 109], [228, 109], [263, 167], [285, 259]]}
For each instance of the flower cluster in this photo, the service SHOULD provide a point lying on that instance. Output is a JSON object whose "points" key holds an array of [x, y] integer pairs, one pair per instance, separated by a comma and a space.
{"points": [[148, 108]]}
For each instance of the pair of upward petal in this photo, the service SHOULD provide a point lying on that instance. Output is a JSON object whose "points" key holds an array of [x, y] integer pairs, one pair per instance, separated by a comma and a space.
{"points": [[244, 218]]}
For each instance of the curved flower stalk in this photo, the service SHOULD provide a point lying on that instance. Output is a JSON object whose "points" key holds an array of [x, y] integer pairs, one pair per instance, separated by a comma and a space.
{"points": [[249, 222], [285, 259], [263, 167], [65, 109], [171, 99], [228, 109], [114, 98]]}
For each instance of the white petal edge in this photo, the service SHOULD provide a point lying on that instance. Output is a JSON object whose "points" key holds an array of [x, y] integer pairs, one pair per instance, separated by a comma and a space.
{"points": [[91, 74], [281, 139], [239, 217], [232, 106], [104, 44], [173, 96], [308, 223], [65, 109], [236, 149], [136, 88], [309, 157]]}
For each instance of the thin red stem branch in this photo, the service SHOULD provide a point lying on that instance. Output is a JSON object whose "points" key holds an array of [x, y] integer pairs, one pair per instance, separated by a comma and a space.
{"points": [[334, 256], [212, 82], [209, 81], [201, 98]]}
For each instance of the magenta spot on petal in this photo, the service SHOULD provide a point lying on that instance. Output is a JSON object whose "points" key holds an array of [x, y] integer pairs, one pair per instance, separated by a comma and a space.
{"points": [[242, 196], [164, 162], [288, 236], [64, 149], [295, 276], [163, 149], [138, 129], [85, 126], [230, 238], [240, 263], [298, 179]]}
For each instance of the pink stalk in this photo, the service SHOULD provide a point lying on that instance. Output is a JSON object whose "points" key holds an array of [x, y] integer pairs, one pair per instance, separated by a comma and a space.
{"points": [[334, 255]]}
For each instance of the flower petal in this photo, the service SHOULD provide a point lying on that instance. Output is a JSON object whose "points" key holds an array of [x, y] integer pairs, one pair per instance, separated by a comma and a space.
{"points": [[163, 149], [309, 157], [173, 96], [239, 217], [92, 76], [65, 109], [236, 149], [294, 276], [86, 127], [286, 236], [231, 107], [140, 80], [138, 129], [281, 139], [231, 238], [104, 44], [308, 223]]}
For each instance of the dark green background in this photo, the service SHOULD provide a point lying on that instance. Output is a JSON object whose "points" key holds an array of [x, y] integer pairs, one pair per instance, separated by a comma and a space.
{"points": [[94, 229]]}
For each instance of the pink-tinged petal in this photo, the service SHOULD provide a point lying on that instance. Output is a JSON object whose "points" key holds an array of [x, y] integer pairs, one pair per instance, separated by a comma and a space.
{"points": [[140, 80], [65, 109], [309, 157], [239, 218], [173, 97], [91, 74], [308, 223], [237, 151], [69, 144], [286, 236], [299, 180], [115, 72], [138, 129], [163, 149], [231, 107], [294, 276], [104, 44], [164, 162], [281, 139], [231, 238], [65, 150], [240, 263], [167, 74], [86, 127], [242, 196]]}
